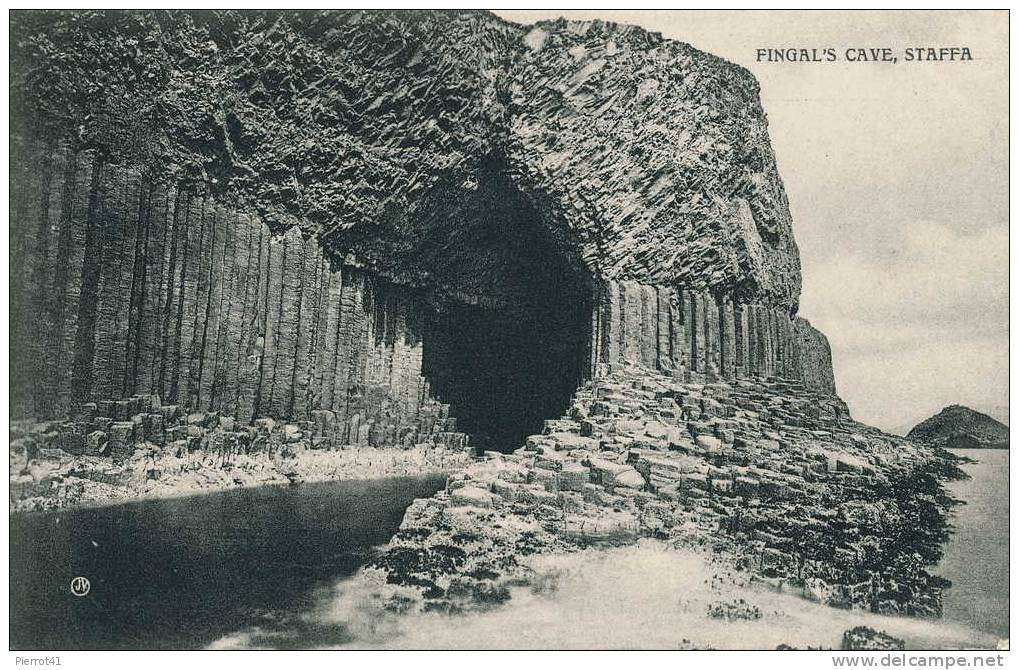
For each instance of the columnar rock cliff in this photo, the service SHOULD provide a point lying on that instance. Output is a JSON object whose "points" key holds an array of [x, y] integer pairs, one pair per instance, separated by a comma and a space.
{"points": [[237, 233], [675, 329], [275, 213], [127, 286]]}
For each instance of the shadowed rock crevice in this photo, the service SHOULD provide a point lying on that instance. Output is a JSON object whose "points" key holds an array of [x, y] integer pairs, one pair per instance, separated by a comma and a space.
{"points": [[508, 340]]}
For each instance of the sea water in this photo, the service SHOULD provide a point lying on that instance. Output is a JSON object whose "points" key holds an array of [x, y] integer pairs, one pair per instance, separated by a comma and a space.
{"points": [[179, 573], [976, 557]]}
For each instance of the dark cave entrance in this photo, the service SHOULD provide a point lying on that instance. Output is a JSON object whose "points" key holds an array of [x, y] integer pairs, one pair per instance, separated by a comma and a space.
{"points": [[508, 341]]}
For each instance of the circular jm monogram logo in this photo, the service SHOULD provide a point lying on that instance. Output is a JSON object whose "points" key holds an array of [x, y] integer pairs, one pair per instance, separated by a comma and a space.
{"points": [[80, 586]]}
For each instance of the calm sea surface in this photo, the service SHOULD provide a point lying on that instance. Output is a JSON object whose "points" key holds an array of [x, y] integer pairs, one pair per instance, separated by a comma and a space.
{"points": [[976, 558], [179, 573]]}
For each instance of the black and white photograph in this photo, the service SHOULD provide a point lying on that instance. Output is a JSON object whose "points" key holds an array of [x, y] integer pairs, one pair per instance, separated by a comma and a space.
{"points": [[508, 329]]}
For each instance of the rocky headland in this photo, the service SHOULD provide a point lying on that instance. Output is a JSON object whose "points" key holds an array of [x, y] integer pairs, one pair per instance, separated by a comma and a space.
{"points": [[269, 246], [959, 427]]}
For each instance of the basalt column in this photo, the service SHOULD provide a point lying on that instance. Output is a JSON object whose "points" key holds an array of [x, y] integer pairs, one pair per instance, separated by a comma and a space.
{"points": [[367, 217], [704, 336], [123, 285]]}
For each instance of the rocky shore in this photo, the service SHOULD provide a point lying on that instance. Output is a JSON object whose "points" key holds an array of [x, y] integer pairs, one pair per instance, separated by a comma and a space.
{"points": [[144, 449], [773, 484], [757, 486]]}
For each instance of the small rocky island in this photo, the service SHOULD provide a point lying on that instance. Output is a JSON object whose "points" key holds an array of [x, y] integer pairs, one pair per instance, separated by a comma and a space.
{"points": [[959, 427], [555, 261]]}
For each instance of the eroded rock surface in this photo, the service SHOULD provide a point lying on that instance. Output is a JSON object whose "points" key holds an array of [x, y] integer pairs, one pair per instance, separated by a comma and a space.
{"points": [[647, 156], [128, 285], [768, 476], [278, 213]]}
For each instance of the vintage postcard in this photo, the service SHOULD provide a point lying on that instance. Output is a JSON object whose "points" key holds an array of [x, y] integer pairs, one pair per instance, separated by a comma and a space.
{"points": [[501, 330]]}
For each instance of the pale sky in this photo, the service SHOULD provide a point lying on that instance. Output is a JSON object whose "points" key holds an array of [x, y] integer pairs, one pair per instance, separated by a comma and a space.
{"points": [[897, 176]]}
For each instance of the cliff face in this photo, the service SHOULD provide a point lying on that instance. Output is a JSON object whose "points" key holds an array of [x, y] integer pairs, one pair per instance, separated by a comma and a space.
{"points": [[657, 154], [367, 224], [274, 213], [651, 156], [123, 286], [696, 333]]}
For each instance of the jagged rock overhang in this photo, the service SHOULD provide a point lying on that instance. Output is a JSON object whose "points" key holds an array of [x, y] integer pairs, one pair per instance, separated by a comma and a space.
{"points": [[428, 153], [653, 154]]}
